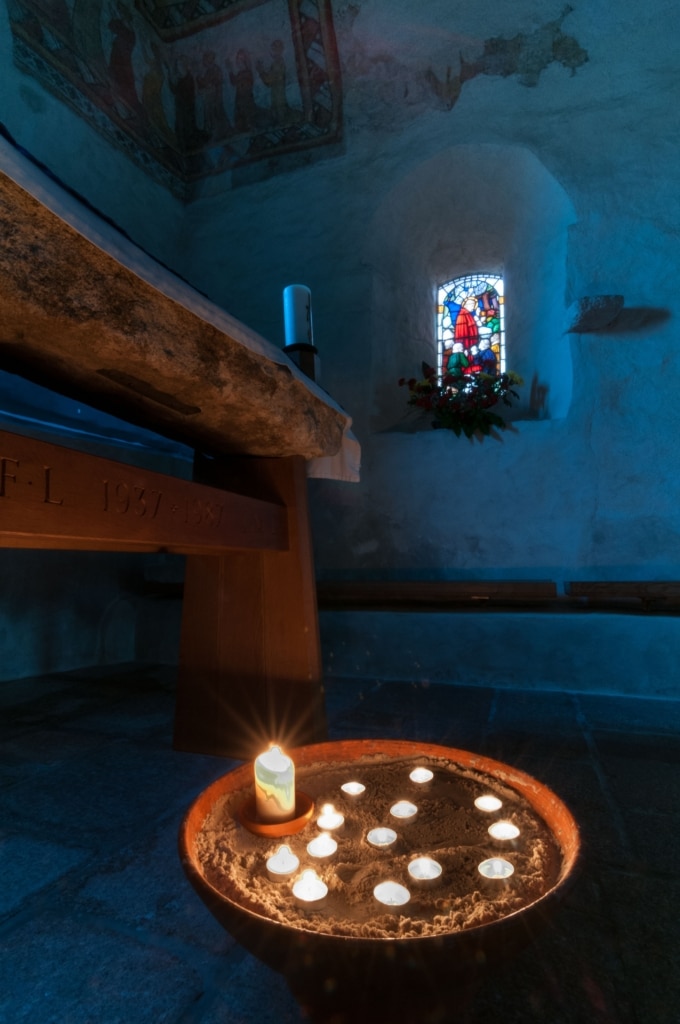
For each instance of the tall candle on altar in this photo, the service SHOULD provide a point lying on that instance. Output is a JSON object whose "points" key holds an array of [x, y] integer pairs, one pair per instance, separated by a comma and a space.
{"points": [[274, 786], [297, 315]]}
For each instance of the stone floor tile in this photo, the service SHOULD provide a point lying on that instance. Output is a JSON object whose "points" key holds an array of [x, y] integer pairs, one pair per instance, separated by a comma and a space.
{"points": [[119, 786], [143, 886], [645, 912], [59, 970], [643, 784], [35, 747], [630, 714], [29, 865]]}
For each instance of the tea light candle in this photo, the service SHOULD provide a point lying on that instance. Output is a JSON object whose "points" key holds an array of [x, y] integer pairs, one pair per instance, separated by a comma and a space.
{"points": [[282, 864], [421, 776], [322, 846], [309, 890], [381, 837], [353, 789], [496, 867], [488, 803], [404, 810], [503, 830], [425, 871], [330, 818], [274, 786], [392, 894]]}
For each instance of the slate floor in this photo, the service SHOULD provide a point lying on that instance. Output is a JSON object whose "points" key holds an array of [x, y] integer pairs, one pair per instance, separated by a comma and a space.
{"points": [[99, 926]]}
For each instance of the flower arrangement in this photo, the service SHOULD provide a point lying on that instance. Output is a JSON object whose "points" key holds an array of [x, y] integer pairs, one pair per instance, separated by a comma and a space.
{"points": [[462, 402]]}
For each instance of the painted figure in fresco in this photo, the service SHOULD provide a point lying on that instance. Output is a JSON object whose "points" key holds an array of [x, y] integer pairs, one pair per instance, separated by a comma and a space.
{"points": [[152, 91], [274, 77], [213, 115], [184, 90], [87, 40], [245, 109], [121, 70]]}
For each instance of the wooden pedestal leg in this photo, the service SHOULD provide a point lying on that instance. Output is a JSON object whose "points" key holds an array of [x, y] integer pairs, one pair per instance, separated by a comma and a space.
{"points": [[250, 661]]}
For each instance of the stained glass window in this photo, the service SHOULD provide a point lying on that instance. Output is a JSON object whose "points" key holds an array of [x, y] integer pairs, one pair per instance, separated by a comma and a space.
{"points": [[470, 325]]}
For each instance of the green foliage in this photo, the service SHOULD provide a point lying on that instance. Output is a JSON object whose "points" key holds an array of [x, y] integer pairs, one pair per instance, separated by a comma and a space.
{"points": [[461, 402]]}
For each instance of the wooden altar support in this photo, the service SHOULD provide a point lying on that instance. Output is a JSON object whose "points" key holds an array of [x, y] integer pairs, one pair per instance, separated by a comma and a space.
{"points": [[85, 313], [250, 666]]}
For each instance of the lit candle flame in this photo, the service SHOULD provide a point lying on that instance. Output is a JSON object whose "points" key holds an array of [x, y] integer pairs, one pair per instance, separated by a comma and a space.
{"points": [[404, 810], [496, 867], [503, 830], [424, 869], [329, 817], [353, 788], [381, 836], [309, 888], [392, 894], [322, 846], [488, 803], [283, 862]]}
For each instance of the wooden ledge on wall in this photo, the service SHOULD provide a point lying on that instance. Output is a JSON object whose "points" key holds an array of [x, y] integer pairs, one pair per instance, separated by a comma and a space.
{"points": [[433, 595], [633, 595], [645, 597]]}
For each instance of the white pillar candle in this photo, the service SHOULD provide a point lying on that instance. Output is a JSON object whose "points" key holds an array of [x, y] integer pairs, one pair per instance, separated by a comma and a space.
{"points": [[495, 867], [297, 315], [425, 871], [488, 802], [404, 810], [322, 846], [282, 864], [330, 819], [503, 830], [381, 837], [392, 894], [309, 890], [274, 786]]}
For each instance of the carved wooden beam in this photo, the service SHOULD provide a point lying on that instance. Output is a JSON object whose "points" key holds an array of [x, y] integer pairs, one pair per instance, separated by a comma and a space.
{"points": [[56, 498]]}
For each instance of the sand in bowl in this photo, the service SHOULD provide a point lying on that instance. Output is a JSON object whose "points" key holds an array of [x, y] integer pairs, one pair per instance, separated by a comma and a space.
{"points": [[447, 827]]}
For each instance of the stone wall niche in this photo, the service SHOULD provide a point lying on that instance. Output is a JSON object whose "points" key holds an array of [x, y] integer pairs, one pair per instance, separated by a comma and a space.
{"points": [[472, 208]]}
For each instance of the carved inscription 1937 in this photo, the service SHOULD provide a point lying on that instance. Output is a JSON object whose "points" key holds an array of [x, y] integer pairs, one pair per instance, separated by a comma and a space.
{"points": [[52, 496]]}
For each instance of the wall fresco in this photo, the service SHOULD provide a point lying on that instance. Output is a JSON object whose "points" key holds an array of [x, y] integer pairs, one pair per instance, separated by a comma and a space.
{"points": [[192, 89]]}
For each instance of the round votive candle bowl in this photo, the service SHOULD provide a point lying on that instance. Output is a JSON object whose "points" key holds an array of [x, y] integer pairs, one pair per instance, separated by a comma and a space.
{"points": [[496, 868], [488, 803], [381, 838], [282, 864], [391, 894], [353, 789], [404, 811], [422, 777], [330, 820], [322, 847], [425, 872], [309, 890], [503, 830]]}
